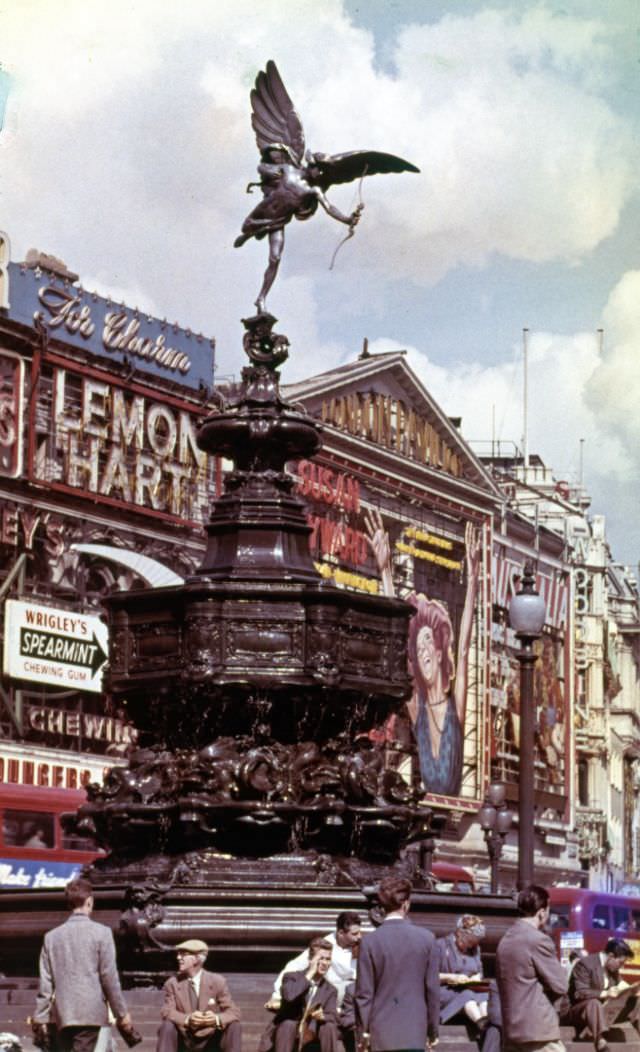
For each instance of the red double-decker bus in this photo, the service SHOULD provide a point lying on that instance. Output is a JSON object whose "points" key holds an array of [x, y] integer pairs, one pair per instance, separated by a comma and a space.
{"points": [[583, 920], [35, 851]]}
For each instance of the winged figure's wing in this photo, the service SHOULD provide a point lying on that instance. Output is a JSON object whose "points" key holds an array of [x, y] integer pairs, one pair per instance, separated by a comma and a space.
{"points": [[274, 118], [344, 167]]}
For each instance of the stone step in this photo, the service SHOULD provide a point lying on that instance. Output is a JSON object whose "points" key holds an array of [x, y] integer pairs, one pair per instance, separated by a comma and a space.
{"points": [[251, 1034], [250, 991]]}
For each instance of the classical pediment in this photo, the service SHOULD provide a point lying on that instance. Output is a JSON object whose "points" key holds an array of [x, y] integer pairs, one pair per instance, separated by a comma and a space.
{"points": [[379, 399]]}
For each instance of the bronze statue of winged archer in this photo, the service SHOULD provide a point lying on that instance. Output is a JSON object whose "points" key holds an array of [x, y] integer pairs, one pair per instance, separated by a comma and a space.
{"points": [[292, 179]]}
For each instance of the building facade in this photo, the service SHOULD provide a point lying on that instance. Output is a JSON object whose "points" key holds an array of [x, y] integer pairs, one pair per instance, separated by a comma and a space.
{"points": [[102, 486], [604, 667], [457, 544]]}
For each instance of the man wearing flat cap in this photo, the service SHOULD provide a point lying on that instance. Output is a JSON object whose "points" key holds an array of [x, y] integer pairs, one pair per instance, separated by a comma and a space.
{"points": [[198, 1012]]}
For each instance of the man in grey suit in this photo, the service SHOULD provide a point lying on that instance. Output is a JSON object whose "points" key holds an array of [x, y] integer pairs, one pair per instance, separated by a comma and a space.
{"points": [[530, 978], [78, 976], [397, 989]]}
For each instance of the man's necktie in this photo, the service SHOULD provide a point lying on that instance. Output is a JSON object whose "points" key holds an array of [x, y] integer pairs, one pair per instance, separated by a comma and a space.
{"points": [[193, 995]]}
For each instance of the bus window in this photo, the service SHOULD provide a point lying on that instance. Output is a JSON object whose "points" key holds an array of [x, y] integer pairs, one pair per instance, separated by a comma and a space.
{"points": [[635, 921], [559, 916], [621, 921], [31, 829], [601, 917]]}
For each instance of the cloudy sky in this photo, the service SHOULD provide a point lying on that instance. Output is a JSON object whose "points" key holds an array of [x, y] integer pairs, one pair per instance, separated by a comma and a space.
{"points": [[126, 148]]}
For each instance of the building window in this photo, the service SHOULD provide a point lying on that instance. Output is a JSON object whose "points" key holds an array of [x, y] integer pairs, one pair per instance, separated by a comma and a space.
{"points": [[583, 783]]}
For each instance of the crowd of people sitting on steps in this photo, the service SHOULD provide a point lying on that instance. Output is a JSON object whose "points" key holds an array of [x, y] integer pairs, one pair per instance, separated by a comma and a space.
{"points": [[384, 990]]}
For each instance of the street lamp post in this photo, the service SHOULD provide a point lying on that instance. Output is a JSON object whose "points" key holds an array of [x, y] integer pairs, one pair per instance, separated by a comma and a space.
{"points": [[495, 821], [527, 612]]}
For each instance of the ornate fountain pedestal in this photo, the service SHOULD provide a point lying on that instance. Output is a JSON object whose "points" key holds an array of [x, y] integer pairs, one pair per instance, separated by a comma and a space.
{"points": [[257, 805]]}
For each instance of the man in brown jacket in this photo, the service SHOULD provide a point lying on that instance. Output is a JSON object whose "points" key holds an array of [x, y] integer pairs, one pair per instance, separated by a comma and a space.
{"points": [[530, 978], [198, 1012]]}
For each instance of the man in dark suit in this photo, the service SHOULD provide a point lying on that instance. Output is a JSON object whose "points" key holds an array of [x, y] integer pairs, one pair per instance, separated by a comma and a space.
{"points": [[397, 989], [307, 1014], [198, 1012], [347, 1019], [78, 977], [597, 993], [530, 977]]}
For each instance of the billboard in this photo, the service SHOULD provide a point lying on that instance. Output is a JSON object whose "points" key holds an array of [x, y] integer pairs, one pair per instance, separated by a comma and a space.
{"points": [[118, 443], [440, 635], [43, 644], [439, 738], [106, 329]]}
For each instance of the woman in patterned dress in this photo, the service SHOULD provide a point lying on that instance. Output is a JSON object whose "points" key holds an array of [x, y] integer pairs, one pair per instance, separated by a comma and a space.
{"points": [[460, 963]]}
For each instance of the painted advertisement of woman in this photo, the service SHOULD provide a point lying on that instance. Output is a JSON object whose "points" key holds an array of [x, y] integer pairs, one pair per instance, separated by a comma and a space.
{"points": [[437, 708]]}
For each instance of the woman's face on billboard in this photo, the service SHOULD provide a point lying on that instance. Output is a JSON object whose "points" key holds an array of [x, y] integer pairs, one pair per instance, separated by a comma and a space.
{"points": [[428, 657]]}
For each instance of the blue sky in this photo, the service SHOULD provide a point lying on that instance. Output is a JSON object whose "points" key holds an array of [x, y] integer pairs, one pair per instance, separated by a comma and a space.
{"points": [[127, 146]]}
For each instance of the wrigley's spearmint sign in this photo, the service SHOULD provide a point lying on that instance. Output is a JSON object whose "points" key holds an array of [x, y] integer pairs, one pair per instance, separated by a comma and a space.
{"points": [[47, 645]]}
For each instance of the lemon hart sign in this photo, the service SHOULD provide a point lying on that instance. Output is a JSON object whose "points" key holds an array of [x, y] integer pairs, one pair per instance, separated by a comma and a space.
{"points": [[43, 644], [106, 329]]}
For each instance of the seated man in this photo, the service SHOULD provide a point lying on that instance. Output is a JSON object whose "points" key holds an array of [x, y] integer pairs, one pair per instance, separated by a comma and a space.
{"points": [[307, 1014], [198, 1013], [597, 994], [344, 941]]}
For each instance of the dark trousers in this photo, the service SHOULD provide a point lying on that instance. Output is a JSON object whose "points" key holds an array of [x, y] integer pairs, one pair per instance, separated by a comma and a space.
{"points": [[78, 1038], [285, 1038], [171, 1040], [348, 1038], [597, 1016]]}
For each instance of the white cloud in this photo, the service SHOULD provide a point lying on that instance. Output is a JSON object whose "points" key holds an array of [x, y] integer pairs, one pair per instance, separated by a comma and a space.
{"points": [[612, 389]]}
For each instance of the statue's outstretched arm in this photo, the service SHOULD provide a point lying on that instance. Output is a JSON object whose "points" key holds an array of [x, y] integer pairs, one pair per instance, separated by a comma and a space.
{"points": [[335, 213]]}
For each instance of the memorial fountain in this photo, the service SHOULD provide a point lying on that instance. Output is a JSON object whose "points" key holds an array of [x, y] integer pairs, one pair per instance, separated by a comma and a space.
{"points": [[258, 805]]}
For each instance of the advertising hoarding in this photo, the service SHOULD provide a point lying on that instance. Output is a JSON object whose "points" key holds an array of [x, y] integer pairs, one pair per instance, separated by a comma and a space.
{"points": [[438, 738], [43, 644], [108, 330], [118, 443]]}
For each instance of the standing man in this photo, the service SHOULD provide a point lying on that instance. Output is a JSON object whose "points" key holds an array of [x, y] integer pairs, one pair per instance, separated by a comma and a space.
{"points": [[597, 993], [397, 989], [530, 978], [345, 943], [198, 1012], [78, 976]]}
